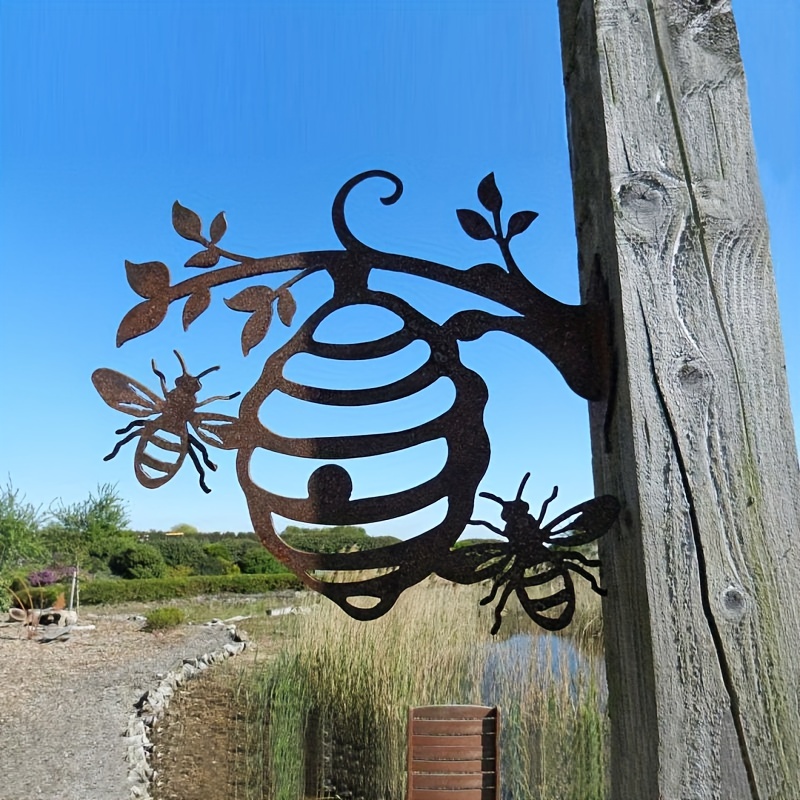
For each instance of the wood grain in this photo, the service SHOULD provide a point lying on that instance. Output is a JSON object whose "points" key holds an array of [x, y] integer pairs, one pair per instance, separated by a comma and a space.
{"points": [[702, 616]]}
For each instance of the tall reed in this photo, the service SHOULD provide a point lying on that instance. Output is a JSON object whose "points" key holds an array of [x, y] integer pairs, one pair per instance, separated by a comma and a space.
{"points": [[327, 718]]}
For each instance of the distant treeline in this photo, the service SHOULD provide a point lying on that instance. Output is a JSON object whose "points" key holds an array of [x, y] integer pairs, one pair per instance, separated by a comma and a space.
{"points": [[39, 549]]}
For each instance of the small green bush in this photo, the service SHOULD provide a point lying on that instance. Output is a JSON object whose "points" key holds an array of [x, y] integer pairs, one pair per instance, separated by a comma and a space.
{"points": [[181, 551], [257, 560], [214, 565], [161, 618], [138, 561]]}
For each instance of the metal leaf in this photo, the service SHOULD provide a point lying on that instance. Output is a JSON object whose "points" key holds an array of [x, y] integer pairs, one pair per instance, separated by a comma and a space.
{"points": [[187, 223], [252, 298], [474, 224], [255, 329], [148, 279], [218, 227], [142, 318], [195, 306], [520, 221], [489, 195], [205, 258], [286, 307]]}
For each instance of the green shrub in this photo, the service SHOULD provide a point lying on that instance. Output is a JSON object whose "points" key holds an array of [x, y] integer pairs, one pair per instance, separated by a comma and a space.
{"points": [[214, 565], [258, 560], [107, 592], [181, 551], [184, 527], [325, 540], [374, 542], [138, 561], [218, 550], [161, 618]]}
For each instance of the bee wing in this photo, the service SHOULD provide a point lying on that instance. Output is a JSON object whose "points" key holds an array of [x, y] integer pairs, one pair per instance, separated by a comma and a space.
{"points": [[594, 518], [473, 563], [214, 428], [534, 606], [125, 394]]}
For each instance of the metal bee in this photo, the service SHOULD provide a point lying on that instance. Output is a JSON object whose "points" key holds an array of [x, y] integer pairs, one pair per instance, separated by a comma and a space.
{"points": [[176, 413], [535, 555]]}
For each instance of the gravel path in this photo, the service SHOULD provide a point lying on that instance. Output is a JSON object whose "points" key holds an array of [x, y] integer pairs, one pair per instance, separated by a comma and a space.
{"points": [[65, 706]]}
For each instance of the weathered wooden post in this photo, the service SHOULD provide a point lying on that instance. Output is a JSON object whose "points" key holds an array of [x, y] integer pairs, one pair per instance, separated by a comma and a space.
{"points": [[703, 611]]}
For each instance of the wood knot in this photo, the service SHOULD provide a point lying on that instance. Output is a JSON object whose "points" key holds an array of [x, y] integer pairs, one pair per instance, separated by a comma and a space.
{"points": [[734, 603], [642, 198], [693, 377]]}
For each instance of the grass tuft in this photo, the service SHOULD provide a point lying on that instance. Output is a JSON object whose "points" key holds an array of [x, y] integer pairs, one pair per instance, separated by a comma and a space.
{"points": [[161, 618]]}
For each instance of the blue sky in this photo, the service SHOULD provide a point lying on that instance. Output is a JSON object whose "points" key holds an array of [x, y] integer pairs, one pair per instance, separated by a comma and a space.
{"points": [[110, 111]]}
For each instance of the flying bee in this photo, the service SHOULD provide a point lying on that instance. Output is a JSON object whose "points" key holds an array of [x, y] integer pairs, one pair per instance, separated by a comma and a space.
{"points": [[176, 412], [534, 555]]}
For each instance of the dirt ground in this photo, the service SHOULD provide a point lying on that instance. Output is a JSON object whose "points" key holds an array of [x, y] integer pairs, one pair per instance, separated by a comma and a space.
{"points": [[195, 750]]}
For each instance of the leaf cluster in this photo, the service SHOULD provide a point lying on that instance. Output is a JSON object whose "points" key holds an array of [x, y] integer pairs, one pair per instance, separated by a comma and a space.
{"points": [[478, 227], [89, 532], [20, 530]]}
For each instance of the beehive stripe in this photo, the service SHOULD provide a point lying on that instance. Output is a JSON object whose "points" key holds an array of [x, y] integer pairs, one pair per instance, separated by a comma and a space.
{"points": [[405, 387], [385, 346], [367, 509]]}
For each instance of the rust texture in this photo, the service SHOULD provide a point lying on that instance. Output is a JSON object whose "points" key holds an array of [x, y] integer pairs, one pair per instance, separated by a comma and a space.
{"points": [[171, 425]]}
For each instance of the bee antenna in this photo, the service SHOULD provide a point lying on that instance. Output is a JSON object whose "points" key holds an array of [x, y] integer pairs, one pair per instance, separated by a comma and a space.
{"points": [[181, 361], [206, 371], [522, 486], [490, 496]]}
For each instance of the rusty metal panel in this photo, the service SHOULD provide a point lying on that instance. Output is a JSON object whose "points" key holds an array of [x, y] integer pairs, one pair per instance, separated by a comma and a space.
{"points": [[171, 425]]}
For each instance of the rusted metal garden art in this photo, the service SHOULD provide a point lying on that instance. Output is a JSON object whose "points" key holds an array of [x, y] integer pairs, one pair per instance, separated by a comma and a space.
{"points": [[171, 425]]}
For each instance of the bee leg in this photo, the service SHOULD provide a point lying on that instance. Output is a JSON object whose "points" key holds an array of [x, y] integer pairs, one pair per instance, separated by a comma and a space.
{"points": [[137, 423], [497, 581], [120, 443], [498, 609], [484, 601], [203, 452], [218, 397], [199, 467], [587, 562], [485, 524], [589, 577]]}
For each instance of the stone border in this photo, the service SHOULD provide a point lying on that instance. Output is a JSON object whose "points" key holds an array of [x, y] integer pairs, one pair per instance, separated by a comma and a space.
{"points": [[153, 704]]}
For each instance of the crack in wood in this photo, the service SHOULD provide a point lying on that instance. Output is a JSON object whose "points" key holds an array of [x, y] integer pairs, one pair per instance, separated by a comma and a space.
{"points": [[696, 215], [716, 637]]}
